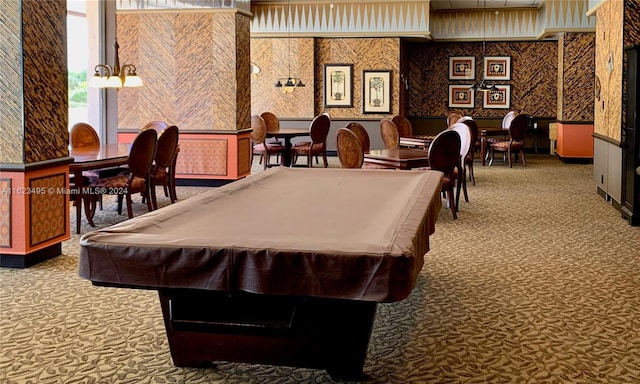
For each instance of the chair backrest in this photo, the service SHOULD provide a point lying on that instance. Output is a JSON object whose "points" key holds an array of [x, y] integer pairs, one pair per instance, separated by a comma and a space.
{"points": [[319, 128], [167, 147], [473, 128], [158, 125], [362, 134], [404, 125], [390, 134], [83, 135], [518, 127], [465, 138], [464, 118], [453, 118], [444, 152], [349, 148], [506, 120], [258, 129], [271, 120], [142, 152]]}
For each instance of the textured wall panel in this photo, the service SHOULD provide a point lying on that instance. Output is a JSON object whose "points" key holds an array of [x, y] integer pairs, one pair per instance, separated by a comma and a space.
{"points": [[45, 80], [631, 23], [533, 77], [5, 213], [202, 157], [191, 64], [272, 56], [244, 156], [609, 56], [11, 132], [578, 72], [48, 216], [364, 54]]}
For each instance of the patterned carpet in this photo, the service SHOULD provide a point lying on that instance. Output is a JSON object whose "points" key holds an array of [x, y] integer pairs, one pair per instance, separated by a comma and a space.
{"points": [[538, 281]]}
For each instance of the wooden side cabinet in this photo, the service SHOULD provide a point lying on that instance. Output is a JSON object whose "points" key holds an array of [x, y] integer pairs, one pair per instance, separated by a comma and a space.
{"points": [[630, 142]]}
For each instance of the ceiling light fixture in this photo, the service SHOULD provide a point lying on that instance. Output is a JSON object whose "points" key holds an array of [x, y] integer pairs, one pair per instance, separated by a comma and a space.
{"points": [[289, 84], [105, 76], [483, 86]]}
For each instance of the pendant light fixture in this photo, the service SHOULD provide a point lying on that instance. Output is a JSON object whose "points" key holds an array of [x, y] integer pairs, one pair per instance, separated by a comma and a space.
{"points": [[116, 76], [289, 84], [484, 86]]}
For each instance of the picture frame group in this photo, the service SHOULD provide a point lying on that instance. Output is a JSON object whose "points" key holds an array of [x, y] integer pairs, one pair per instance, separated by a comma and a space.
{"points": [[338, 87]]}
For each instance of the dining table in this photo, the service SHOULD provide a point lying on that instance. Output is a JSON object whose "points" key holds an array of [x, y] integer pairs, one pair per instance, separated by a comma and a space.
{"points": [[416, 141], [402, 158], [93, 158], [287, 134]]}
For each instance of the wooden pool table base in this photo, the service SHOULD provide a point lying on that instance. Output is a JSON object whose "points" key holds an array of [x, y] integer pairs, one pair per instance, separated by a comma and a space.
{"points": [[207, 326]]}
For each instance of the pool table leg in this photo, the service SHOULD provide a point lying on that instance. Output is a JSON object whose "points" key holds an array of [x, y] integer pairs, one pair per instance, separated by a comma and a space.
{"points": [[205, 326]]}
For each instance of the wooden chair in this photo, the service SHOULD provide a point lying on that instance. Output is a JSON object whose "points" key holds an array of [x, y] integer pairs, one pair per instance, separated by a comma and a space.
{"points": [[349, 148], [515, 143], [475, 146], [273, 125], [453, 118], [405, 129], [362, 134], [319, 130], [136, 180], [465, 146], [157, 125], [390, 134], [163, 169], [83, 135], [258, 137], [444, 156]]}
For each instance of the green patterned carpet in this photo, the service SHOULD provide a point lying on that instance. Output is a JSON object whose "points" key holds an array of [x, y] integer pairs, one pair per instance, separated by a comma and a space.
{"points": [[538, 281]]}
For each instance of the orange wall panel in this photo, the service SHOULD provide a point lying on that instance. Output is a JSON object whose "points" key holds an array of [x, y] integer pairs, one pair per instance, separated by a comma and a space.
{"points": [[575, 140]]}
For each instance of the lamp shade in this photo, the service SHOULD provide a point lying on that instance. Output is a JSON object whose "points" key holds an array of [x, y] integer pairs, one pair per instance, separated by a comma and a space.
{"points": [[132, 81]]}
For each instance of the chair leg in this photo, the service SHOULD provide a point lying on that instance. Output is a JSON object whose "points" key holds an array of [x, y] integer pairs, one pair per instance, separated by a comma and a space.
{"points": [[491, 156], [150, 207], [310, 160], [324, 158], [119, 204], [452, 203], [130, 205], [524, 162], [154, 200], [509, 156]]}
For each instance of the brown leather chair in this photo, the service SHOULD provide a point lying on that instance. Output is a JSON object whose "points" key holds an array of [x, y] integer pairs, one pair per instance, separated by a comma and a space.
{"points": [[405, 129], [362, 134], [136, 180], [349, 148], [163, 169], [319, 130], [258, 137], [444, 156], [515, 143], [390, 134], [273, 125]]}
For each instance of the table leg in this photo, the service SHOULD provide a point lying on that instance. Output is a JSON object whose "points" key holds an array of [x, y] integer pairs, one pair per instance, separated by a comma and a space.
{"points": [[81, 197], [286, 155], [207, 326], [483, 145]]}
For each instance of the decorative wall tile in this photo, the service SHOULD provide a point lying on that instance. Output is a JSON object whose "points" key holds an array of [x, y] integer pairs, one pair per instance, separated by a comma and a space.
{"points": [[202, 157], [47, 208], [5, 213]]}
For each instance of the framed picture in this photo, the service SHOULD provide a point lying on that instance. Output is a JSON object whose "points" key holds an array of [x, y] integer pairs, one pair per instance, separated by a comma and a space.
{"points": [[500, 99], [376, 91], [461, 96], [338, 82], [497, 68], [462, 68]]}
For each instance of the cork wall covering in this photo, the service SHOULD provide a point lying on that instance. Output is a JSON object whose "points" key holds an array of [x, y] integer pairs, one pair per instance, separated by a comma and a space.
{"points": [[191, 64], [45, 91], [202, 157], [48, 216], [5, 213], [534, 67], [364, 54], [11, 148], [266, 53], [576, 77], [609, 74]]}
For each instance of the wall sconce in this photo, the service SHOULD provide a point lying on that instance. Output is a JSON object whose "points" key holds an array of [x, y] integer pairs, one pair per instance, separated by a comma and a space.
{"points": [[116, 76]]}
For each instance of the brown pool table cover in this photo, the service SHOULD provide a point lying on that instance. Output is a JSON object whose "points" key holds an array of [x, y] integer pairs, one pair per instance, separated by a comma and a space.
{"points": [[332, 233]]}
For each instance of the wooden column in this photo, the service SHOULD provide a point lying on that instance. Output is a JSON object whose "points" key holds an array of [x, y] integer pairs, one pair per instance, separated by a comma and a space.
{"points": [[195, 67], [34, 214]]}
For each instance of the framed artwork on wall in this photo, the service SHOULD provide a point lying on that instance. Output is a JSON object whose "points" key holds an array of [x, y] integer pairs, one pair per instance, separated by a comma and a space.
{"points": [[376, 91], [461, 96], [497, 68], [338, 82], [500, 99], [462, 68]]}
